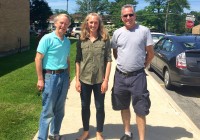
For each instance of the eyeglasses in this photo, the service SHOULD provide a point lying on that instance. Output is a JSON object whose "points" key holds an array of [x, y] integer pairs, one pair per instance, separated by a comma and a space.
{"points": [[130, 15]]}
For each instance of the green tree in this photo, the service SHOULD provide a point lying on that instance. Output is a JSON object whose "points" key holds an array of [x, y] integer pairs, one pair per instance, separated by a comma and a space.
{"points": [[60, 11], [39, 13], [115, 10], [88, 6], [176, 18], [148, 17], [168, 14], [153, 16]]}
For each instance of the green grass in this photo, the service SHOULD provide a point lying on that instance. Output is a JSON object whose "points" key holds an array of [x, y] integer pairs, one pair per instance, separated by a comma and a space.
{"points": [[20, 104]]}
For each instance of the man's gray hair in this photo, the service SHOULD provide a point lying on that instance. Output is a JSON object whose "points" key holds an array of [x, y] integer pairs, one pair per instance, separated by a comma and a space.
{"points": [[127, 6], [59, 15]]}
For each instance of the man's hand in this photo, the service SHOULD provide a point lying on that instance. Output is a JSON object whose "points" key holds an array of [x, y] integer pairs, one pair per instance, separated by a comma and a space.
{"points": [[40, 85]]}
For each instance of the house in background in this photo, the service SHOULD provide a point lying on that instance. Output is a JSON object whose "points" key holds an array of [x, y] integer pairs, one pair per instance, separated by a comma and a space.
{"points": [[196, 29], [51, 23], [14, 26]]}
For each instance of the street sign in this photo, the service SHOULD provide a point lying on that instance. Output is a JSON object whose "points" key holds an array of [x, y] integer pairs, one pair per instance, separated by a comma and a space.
{"points": [[189, 24], [190, 17]]}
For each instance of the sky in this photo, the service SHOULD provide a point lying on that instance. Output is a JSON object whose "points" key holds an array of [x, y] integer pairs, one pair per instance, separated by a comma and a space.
{"points": [[72, 7]]}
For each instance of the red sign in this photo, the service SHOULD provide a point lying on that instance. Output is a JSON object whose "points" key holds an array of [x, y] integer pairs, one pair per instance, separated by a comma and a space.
{"points": [[189, 24]]}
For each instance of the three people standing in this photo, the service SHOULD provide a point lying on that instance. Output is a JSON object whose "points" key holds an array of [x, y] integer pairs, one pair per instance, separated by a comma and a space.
{"points": [[133, 51]]}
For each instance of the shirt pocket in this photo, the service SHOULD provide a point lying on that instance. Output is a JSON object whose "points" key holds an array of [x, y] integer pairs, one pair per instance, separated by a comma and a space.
{"points": [[85, 51], [99, 49]]}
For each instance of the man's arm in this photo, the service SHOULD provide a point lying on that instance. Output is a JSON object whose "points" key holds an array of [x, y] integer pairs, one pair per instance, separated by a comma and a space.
{"points": [[149, 55], [38, 64], [115, 53], [68, 63]]}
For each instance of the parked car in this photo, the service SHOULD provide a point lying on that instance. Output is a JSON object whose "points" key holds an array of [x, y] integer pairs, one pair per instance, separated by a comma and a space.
{"points": [[177, 60], [186, 34], [76, 32], [157, 36], [32, 32], [169, 33], [68, 32]]}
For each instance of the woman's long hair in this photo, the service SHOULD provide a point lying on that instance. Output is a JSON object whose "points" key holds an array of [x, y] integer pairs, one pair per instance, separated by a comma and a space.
{"points": [[101, 31]]}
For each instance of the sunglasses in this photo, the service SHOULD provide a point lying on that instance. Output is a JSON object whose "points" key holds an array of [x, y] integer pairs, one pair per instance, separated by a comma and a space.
{"points": [[130, 15]]}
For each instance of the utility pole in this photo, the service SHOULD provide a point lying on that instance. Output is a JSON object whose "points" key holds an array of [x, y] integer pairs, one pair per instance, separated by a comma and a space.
{"points": [[67, 6], [134, 6], [166, 16], [88, 6]]}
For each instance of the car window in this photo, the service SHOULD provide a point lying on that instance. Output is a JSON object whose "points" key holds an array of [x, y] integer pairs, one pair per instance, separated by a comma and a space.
{"points": [[159, 45], [157, 36], [167, 45], [78, 29], [191, 45], [172, 48]]}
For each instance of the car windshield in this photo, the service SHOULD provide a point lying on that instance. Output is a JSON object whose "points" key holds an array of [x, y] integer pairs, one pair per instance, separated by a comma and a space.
{"points": [[157, 36]]}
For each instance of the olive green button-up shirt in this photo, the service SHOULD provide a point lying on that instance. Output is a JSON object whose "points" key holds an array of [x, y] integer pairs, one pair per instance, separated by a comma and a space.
{"points": [[93, 58]]}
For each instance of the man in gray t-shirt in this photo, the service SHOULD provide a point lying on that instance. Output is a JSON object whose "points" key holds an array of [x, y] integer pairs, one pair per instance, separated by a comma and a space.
{"points": [[133, 50]]}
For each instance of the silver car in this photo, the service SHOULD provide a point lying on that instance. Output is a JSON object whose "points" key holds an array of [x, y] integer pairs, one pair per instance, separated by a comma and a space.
{"points": [[157, 36]]}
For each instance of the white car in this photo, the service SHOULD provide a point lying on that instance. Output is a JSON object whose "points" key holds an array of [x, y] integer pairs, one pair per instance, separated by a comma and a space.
{"points": [[76, 32], [157, 36]]}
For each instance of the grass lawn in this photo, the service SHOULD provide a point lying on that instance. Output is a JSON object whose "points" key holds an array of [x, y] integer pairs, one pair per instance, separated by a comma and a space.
{"points": [[20, 104]]}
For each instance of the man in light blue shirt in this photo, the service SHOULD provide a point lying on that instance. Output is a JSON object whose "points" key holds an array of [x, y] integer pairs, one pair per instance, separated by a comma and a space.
{"points": [[53, 70]]}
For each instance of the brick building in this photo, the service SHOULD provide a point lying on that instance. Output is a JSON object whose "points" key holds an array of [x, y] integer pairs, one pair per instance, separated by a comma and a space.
{"points": [[196, 29], [14, 26]]}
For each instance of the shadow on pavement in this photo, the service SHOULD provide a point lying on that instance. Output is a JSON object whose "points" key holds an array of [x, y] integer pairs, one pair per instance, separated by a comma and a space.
{"points": [[115, 131]]}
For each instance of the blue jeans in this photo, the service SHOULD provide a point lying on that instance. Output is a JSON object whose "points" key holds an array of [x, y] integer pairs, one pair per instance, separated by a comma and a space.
{"points": [[85, 95], [53, 103]]}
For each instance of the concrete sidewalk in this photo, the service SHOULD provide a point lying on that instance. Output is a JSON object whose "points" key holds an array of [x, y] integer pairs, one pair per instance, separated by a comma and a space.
{"points": [[166, 120]]}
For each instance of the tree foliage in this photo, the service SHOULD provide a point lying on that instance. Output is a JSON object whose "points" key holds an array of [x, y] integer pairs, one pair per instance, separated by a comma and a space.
{"points": [[164, 15], [197, 16], [115, 10], [60, 11], [88, 6], [175, 6], [39, 13]]}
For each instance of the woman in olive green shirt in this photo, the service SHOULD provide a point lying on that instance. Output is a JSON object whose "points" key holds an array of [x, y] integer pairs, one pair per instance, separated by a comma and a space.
{"points": [[93, 64]]}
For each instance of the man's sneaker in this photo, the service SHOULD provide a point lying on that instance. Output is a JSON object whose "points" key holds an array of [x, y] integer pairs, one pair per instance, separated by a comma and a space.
{"points": [[57, 137], [127, 137]]}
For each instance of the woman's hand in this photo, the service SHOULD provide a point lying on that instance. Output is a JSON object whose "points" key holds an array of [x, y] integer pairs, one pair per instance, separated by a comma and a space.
{"points": [[104, 86], [78, 86]]}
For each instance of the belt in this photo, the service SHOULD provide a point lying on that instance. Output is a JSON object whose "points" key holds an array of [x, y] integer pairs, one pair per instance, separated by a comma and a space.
{"points": [[54, 71], [133, 73]]}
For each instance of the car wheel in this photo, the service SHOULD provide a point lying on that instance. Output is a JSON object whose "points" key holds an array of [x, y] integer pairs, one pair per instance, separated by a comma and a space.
{"points": [[167, 79], [77, 36]]}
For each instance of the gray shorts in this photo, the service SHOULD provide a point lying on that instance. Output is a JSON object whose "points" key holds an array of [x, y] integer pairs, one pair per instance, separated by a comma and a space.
{"points": [[134, 86]]}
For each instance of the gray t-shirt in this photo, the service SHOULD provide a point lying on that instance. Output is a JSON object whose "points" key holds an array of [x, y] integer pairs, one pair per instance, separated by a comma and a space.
{"points": [[130, 45]]}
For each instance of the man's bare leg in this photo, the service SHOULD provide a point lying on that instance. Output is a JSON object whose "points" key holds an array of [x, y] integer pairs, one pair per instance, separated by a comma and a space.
{"points": [[126, 116], [141, 124]]}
